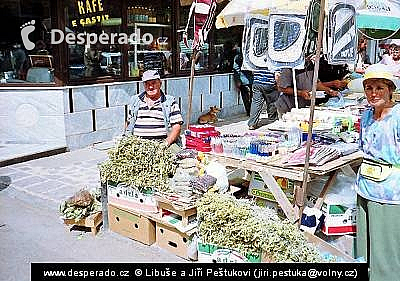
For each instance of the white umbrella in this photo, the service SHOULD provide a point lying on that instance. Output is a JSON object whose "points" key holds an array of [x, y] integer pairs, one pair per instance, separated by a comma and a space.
{"points": [[379, 19], [236, 10]]}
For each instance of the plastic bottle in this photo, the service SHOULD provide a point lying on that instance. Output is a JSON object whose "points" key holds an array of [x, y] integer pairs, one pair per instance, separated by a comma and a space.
{"points": [[168, 15], [153, 16], [294, 136], [139, 14], [136, 14], [146, 14]]}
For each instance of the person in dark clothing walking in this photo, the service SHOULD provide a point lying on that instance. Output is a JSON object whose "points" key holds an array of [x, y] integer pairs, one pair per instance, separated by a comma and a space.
{"points": [[243, 80]]}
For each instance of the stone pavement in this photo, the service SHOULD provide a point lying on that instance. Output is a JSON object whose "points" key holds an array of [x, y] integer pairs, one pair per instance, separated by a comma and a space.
{"points": [[30, 227], [49, 180]]}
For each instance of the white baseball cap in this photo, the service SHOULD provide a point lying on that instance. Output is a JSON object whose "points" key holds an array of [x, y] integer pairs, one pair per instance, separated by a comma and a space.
{"points": [[150, 75]]}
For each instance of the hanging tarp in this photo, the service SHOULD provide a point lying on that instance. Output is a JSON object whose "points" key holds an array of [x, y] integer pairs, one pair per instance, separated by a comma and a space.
{"points": [[255, 43], [312, 23], [273, 42], [203, 12], [341, 36], [286, 37], [189, 2]]}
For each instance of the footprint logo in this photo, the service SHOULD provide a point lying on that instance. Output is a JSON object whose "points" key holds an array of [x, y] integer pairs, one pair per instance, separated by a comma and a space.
{"points": [[26, 29]]}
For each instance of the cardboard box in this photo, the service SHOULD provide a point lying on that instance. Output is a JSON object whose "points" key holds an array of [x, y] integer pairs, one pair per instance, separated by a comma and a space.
{"points": [[259, 189], [129, 198], [172, 240], [339, 220], [210, 253], [132, 225]]}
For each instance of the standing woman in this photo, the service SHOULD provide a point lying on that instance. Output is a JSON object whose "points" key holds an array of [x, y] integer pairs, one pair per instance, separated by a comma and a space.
{"points": [[378, 181], [362, 58]]}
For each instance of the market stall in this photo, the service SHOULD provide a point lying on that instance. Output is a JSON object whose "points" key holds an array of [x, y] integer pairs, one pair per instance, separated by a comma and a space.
{"points": [[275, 169], [153, 194], [160, 196]]}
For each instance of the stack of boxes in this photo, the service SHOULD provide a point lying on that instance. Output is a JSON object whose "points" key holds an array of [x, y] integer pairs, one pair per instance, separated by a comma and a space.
{"points": [[198, 137], [129, 213], [144, 218]]}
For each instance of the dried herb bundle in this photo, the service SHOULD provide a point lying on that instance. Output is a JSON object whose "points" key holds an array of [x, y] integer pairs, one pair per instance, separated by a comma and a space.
{"points": [[139, 163], [228, 222]]}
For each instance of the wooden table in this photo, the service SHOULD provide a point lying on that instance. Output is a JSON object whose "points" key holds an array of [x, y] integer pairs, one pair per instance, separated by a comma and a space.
{"points": [[276, 168]]}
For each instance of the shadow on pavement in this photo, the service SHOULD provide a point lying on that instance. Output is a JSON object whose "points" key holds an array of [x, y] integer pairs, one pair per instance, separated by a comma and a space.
{"points": [[5, 182]]}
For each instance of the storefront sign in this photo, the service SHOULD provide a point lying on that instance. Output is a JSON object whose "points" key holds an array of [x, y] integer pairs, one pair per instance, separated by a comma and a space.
{"points": [[92, 12]]}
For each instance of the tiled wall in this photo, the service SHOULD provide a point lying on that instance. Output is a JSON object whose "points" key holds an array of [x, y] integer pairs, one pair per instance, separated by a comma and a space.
{"points": [[83, 115], [32, 116]]}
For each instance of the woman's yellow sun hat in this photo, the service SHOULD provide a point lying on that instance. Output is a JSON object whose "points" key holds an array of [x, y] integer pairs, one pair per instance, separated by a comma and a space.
{"points": [[379, 71]]}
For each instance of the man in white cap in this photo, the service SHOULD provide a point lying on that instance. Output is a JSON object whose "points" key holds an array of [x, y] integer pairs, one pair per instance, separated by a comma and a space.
{"points": [[152, 114]]}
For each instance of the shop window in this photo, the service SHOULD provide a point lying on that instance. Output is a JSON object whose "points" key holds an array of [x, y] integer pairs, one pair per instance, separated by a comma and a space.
{"points": [[94, 38], [226, 40], [152, 25], [25, 47]]}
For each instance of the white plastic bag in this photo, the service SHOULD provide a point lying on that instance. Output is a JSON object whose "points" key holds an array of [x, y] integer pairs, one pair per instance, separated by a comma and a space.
{"points": [[218, 171]]}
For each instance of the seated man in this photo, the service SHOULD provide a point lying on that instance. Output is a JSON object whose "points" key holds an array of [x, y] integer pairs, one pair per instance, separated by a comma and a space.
{"points": [[152, 114], [304, 81]]}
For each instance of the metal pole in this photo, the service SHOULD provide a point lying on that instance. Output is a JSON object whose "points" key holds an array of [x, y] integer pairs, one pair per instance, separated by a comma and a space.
{"points": [[296, 101], [104, 205], [190, 95], [312, 107]]}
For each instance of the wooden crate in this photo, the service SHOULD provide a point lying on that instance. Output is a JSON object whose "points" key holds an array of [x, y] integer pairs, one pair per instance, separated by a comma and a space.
{"points": [[92, 222], [185, 212]]}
